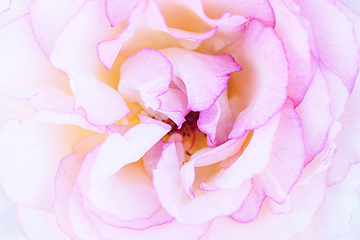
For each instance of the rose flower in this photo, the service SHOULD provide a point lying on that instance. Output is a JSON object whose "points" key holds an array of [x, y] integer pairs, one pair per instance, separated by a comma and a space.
{"points": [[169, 119]]}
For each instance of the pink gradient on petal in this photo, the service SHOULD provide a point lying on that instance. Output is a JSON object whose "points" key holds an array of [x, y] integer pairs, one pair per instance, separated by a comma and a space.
{"points": [[119, 10], [315, 114], [102, 104], [205, 76], [287, 157], [184, 208], [296, 41], [260, 90], [252, 161], [29, 220], [48, 18], [217, 121], [335, 38], [144, 76]]}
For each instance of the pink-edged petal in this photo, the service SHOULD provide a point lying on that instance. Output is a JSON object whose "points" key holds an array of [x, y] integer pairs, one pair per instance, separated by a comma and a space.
{"points": [[186, 210], [252, 161], [118, 151], [48, 18], [146, 17], [119, 10], [174, 104], [80, 223], [287, 156], [205, 76], [15, 9], [22, 62], [75, 47], [338, 93], [306, 201], [11, 109], [334, 37], [260, 9], [152, 157], [260, 90], [206, 157], [102, 104], [297, 45], [250, 208], [217, 121], [227, 28], [347, 141], [315, 113], [31, 218], [30, 154], [282, 208], [334, 216], [174, 230], [144, 76]]}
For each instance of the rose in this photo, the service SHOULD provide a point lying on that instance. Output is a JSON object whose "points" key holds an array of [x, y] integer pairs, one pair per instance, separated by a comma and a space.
{"points": [[63, 169]]}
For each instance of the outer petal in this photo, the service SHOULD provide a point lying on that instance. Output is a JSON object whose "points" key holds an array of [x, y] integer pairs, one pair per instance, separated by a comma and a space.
{"points": [[335, 38], [333, 218], [260, 90], [185, 209], [347, 141], [48, 17], [287, 156], [22, 61], [306, 202], [31, 218], [315, 113], [205, 76], [14, 9], [297, 45], [30, 153]]}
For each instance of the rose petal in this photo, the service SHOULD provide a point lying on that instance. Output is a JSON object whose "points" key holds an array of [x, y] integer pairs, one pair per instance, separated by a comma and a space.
{"points": [[251, 207], [29, 220], [15, 9], [48, 18], [119, 10], [102, 104], [260, 9], [335, 38], [30, 154], [217, 121], [334, 216], [261, 88], [185, 209], [145, 76], [315, 115], [146, 15], [252, 161], [297, 45], [23, 63], [208, 73], [287, 156], [306, 202], [347, 141]]}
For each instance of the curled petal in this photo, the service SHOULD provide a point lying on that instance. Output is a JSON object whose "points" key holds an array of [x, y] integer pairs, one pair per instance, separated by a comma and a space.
{"points": [[185, 209], [145, 75], [207, 73], [260, 90]]}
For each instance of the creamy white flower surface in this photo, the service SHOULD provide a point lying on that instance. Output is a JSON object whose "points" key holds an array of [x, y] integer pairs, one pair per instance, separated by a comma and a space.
{"points": [[169, 119]]}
